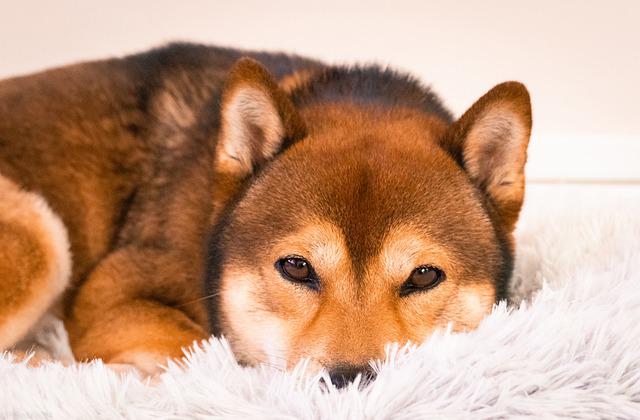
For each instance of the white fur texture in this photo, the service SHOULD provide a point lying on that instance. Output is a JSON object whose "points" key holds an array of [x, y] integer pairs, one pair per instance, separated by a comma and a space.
{"points": [[572, 350]]}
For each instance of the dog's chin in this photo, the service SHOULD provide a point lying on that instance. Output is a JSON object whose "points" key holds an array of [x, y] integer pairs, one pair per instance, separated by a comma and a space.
{"points": [[251, 358]]}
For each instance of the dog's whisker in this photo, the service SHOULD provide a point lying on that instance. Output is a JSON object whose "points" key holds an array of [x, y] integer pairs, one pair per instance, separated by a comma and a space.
{"points": [[273, 366], [199, 299]]}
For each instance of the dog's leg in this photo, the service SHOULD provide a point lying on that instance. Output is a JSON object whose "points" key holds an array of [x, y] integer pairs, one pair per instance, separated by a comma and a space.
{"points": [[35, 262], [139, 307]]}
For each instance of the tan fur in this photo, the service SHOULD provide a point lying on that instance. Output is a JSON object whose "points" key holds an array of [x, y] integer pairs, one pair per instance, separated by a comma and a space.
{"points": [[471, 305]]}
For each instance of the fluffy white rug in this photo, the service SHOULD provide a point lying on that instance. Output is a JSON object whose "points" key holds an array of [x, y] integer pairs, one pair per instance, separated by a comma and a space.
{"points": [[571, 349]]}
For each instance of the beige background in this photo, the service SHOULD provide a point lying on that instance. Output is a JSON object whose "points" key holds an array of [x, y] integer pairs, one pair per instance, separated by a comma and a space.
{"points": [[580, 59]]}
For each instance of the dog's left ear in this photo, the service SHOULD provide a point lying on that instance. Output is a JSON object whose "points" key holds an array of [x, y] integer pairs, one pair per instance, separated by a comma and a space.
{"points": [[256, 118], [490, 142]]}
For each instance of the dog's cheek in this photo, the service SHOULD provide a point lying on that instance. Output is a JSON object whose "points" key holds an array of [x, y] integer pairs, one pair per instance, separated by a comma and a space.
{"points": [[144, 364], [273, 342], [471, 305], [256, 335]]}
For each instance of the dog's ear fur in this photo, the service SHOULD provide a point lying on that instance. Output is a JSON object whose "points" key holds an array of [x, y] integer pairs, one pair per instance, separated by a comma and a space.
{"points": [[490, 142], [257, 117]]}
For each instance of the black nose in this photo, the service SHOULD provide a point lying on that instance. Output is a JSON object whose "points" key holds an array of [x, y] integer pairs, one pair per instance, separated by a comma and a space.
{"points": [[343, 375]]}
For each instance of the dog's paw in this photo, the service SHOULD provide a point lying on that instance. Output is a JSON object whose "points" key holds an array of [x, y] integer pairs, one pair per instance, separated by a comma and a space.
{"points": [[144, 365], [32, 357]]}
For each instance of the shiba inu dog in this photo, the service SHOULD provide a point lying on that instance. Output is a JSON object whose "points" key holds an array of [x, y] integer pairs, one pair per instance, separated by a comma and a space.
{"points": [[300, 210]]}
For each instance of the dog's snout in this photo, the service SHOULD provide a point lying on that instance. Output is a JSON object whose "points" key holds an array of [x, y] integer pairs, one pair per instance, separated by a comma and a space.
{"points": [[343, 375]]}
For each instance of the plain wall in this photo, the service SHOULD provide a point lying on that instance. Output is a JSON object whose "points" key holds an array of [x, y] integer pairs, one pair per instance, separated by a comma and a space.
{"points": [[579, 59]]}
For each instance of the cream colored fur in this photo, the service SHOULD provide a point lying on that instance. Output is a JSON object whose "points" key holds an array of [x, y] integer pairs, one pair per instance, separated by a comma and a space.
{"points": [[31, 211]]}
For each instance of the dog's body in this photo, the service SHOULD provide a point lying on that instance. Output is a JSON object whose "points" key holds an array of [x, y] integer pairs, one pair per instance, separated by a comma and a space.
{"points": [[306, 195]]}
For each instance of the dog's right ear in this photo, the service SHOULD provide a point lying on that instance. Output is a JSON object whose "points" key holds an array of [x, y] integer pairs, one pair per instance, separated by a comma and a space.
{"points": [[490, 142], [257, 118]]}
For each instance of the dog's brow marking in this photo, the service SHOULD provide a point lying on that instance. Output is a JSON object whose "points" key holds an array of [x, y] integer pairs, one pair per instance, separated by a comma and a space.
{"points": [[324, 245], [405, 247], [328, 253], [322, 242]]}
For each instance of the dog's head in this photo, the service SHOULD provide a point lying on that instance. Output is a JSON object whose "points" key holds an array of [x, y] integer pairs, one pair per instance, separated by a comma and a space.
{"points": [[345, 226]]}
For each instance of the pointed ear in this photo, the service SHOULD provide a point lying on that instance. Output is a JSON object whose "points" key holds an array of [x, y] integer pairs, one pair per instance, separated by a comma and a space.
{"points": [[490, 142], [257, 117]]}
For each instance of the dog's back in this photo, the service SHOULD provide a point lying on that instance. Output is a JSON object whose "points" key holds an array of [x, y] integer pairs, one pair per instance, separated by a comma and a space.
{"points": [[86, 136]]}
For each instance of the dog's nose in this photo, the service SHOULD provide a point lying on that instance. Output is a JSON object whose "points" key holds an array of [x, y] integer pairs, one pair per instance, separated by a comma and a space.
{"points": [[343, 375]]}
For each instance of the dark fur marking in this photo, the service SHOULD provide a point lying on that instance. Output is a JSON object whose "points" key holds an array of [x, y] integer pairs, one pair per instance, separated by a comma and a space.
{"points": [[370, 85]]}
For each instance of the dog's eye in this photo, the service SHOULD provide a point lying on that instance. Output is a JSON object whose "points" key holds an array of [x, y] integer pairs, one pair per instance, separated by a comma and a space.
{"points": [[298, 270], [422, 278]]}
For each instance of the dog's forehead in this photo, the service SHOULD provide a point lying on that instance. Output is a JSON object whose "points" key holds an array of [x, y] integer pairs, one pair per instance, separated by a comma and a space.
{"points": [[364, 192]]}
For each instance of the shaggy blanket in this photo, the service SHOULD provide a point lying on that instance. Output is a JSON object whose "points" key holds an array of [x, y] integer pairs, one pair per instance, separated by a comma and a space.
{"points": [[568, 347]]}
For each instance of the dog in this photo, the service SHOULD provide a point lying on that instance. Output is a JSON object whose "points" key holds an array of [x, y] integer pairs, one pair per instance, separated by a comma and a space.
{"points": [[298, 209]]}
